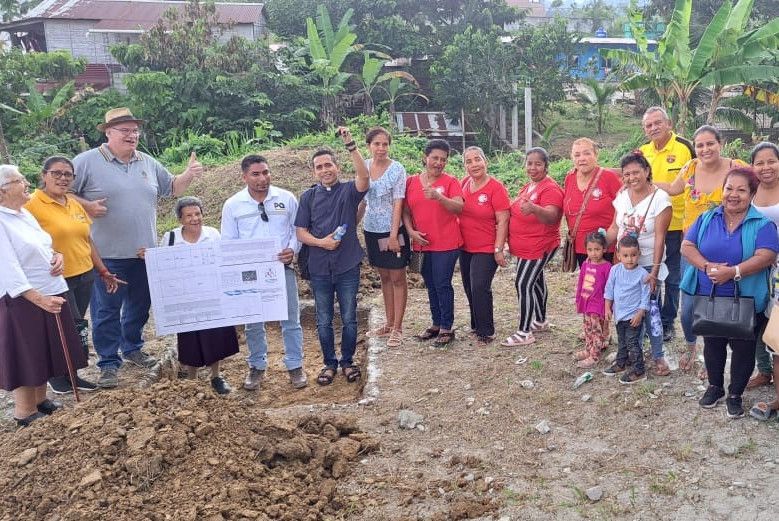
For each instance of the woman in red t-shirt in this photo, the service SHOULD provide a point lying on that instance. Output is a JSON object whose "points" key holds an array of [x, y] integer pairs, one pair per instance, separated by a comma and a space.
{"points": [[534, 237], [483, 226], [433, 200], [604, 184]]}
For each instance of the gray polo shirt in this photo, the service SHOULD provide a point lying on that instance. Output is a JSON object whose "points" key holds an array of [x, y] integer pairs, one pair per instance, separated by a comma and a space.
{"points": [[131, 191]]}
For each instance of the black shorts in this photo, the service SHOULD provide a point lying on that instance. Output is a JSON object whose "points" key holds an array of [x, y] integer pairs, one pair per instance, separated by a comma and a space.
{"points": [[387, 259]]}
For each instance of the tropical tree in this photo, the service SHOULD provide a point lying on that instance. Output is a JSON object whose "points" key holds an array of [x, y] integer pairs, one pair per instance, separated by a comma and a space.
{"points": [[675, 71], [371, 76], [41, 110], [395, 89], [328, 49], [598, 95]]}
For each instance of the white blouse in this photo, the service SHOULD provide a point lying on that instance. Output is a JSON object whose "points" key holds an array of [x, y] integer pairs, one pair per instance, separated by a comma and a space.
{"points": [[206, 234], [640, 219], [25, 256]]}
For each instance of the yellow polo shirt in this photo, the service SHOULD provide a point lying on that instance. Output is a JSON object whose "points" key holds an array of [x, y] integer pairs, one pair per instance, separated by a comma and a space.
{"points": [[68, 226], [666, 164]]}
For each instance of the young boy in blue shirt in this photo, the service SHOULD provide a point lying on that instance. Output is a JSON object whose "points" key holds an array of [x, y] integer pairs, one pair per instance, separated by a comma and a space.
{"points": [[627, 300]]}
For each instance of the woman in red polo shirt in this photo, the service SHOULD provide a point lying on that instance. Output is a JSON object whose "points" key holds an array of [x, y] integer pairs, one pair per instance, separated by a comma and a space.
{"points": [[484, 227], [433, 201], [602, 185], [534, 237]]}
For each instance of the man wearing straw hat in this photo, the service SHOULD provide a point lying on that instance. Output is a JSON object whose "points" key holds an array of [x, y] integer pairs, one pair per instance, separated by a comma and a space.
{"points": [[119, 187]]}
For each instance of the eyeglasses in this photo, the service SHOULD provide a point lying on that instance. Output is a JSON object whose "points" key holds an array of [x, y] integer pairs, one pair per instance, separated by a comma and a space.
{"points": [[128, 131], [59, 174], [263, 215], [17, 180]]}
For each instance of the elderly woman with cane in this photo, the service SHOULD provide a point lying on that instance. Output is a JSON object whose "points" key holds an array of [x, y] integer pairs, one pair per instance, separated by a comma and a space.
{"points": [[32, 292]]}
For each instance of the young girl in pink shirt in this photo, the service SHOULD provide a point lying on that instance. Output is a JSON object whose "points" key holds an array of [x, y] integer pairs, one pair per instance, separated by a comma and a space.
{"points": [[590, 302]]}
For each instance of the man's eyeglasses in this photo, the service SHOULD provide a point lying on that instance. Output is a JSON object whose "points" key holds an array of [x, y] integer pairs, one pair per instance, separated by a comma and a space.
{"points": [[261, 208], [59, 174], [128, 131]]}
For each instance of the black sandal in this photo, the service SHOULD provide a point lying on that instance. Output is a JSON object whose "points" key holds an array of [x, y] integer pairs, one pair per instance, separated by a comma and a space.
{"points": [[428, 334], [326, 376], [351, 373], [444, 338]]}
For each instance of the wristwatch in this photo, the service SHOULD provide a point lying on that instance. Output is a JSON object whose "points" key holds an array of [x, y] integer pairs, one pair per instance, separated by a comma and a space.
{"points": [[737, 277], [498, 250]]}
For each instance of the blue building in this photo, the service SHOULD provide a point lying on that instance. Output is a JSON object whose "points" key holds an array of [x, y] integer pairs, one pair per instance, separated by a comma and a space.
{"points": [[587, 62]]}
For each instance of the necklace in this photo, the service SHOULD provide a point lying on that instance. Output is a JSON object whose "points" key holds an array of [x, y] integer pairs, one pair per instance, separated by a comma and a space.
{"points": [[734, 221]]}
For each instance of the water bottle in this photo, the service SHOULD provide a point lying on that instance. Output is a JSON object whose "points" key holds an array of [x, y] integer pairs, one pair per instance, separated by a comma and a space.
{"points": [[583, 379], [654, 318], [339, 232]]}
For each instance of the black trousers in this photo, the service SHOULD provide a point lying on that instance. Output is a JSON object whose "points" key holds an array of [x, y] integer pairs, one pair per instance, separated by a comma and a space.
{"points": [[477, 271], [742, 359]]}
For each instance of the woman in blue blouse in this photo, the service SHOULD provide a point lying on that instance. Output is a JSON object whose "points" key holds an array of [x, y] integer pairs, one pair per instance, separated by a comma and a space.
{"points": [[386, 240], [732, 242]]}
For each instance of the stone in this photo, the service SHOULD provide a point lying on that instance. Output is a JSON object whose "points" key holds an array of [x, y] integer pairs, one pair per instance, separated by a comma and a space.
{"points": [[543, 427], [586, 397], [727, 450], [90, 479], [408, 419], [469, 402], [527, 384], [521, 360], [594, 493], [483, 411], [26, 456]]}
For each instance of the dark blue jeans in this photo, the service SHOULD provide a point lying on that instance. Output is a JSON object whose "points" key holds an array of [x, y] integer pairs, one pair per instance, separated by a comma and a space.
{"points": [[325, 288], [118, 318], [437, 271], [673, 256], [629, 347]]}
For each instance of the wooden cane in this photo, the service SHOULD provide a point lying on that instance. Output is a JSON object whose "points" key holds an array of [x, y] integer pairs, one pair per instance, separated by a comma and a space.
{"points": [[66, 352]]}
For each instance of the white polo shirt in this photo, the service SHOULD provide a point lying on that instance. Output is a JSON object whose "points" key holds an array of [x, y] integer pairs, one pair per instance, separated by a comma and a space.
{"points": [[25, 256], [241, 217]]}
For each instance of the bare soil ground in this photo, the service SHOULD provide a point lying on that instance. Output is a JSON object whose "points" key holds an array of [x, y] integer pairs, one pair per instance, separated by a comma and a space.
{"points": [[175, 450]]}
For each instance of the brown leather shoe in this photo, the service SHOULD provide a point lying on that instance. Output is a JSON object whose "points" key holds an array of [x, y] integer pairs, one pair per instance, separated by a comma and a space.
{"points": [[759, 380]]}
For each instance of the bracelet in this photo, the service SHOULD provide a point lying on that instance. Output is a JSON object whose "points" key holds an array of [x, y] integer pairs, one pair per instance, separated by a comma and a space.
{"points": [[351, 145]]}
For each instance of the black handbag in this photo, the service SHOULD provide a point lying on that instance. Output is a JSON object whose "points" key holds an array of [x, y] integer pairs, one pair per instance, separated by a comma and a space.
{"points": [[725, 317]]}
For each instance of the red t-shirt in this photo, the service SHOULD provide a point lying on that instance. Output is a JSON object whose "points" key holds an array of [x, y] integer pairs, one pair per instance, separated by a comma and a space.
{"points": [[478, 223], [431, 217], [529, 238], [599, 212]]}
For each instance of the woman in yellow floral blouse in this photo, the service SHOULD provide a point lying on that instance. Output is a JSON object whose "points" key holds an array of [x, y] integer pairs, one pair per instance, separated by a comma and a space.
{"points": [[701, 182]]}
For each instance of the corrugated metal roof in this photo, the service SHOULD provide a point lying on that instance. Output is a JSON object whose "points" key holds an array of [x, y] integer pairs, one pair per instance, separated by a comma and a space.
{"points": [[434, 124], [143, 13]]}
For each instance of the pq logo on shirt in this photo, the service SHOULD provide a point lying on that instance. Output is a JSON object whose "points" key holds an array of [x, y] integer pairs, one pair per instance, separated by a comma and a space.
{"points": [[278, 206], [483, 198], [671, 159], [597, 193], [439, 189]]}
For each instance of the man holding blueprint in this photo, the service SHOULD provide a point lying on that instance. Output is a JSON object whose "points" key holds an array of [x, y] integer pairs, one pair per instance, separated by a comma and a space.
{"points": [[262, 210]]}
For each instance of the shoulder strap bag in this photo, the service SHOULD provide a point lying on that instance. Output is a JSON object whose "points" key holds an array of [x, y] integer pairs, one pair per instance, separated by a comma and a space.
{"points": [[569, 246]]}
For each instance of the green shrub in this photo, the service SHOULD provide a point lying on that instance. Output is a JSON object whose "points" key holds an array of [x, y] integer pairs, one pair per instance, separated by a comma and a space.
{"points": [[204, 145], [29, 154]]}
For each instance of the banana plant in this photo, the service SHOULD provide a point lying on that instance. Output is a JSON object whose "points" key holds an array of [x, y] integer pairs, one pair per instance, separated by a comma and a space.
{"points": [[40, 113], [726, 56], [371, 77], [397, 88], [328, 49]]}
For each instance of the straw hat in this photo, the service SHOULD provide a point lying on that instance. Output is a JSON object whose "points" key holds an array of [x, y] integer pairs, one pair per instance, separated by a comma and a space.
{"points": [[116, 116]]}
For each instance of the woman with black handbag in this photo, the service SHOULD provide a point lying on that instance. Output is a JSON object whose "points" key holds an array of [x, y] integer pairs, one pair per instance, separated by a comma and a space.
{"points": [[731, 249]]}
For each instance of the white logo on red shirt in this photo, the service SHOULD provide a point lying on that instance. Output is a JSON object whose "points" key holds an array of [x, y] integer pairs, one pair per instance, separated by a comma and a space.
{"points": [[483, 198], [597, 193]]}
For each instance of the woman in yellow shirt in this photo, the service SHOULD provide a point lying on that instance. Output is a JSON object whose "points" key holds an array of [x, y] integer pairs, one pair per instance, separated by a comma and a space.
{"points": [[700, 179], [62, 217]]}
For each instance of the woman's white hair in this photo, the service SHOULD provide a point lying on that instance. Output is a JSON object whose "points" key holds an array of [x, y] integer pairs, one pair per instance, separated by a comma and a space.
{"points": [[8, 173]]}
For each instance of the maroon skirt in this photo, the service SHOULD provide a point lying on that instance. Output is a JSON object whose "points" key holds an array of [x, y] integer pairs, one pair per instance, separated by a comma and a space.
{"points": [[30, 347], [208, 346]]}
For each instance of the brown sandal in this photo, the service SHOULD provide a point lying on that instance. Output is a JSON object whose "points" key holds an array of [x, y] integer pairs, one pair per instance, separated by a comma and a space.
{"points": [[444, 338], [395, 338], [351, 373], [379, 332], [326, 376], [429, 333]]}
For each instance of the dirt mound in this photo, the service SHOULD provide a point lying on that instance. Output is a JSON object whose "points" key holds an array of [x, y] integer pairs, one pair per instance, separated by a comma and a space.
{"points": [[176, 452]]}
